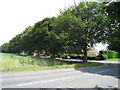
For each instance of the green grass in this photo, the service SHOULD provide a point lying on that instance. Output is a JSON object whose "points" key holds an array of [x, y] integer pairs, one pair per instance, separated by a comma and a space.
{"points": [[12, 62], [33, 68], [89, 55], [114, 59]]}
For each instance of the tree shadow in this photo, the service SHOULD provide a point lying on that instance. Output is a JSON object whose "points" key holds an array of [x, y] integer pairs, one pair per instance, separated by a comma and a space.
{"points": [[107, 69]]}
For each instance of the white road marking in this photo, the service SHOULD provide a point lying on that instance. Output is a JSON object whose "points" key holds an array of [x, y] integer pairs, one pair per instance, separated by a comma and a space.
{"points": [[57, 79], [46, 81], [52, 80], [27, 83]]}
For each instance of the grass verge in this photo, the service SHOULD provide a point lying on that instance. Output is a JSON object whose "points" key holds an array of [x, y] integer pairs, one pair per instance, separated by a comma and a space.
{"points": [[114, 59], [14, 62], [33, 68]]}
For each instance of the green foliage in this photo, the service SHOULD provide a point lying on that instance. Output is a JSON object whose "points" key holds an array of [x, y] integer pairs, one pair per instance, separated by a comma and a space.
{"points": [[73, 31], [113, 59], [110, 54], [84, 24], [4, 48], [113, 10]]}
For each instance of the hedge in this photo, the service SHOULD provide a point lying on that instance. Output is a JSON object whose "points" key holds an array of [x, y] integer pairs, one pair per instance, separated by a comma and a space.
{"points": [[118, 54], [110, 54]]}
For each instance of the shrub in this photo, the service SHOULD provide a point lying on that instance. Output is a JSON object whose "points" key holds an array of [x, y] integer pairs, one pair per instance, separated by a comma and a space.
{"points": [[110, 54], [119, 54]]}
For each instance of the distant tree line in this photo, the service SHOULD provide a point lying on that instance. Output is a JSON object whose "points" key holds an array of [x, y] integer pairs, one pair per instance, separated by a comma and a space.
{"points": [[74, 30]]}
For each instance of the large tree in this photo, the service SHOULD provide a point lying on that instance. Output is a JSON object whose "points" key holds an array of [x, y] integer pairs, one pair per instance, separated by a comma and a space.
{"points": [[85, 24], [45, 37], [113, 10]]}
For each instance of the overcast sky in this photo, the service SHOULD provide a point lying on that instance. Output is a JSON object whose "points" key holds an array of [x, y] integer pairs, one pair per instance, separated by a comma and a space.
{"points": [[16, 15]]}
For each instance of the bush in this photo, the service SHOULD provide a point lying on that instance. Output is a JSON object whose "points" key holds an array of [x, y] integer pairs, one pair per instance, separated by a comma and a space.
{"points": [[118, 54], [110, 54]]}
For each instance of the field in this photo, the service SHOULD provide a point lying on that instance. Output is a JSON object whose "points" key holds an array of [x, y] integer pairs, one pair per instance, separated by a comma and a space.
{"points": [[14, 62]]}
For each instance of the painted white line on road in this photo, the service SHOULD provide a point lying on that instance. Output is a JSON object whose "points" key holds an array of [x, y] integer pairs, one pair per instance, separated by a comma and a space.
{"points": [[47, 81], [57, 79], [27, 84]]}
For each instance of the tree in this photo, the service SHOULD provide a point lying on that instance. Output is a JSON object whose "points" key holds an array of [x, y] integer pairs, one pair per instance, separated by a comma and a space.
{"points": [[4, 48], [85, 24], [45, 37], [14, 44], [26, 40], [113, 13], [113, 10], [33, 37], [54, 44]]}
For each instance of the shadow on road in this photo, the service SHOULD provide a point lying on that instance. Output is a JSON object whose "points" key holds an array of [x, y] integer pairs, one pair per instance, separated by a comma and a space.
{"points": [[108, 69]]}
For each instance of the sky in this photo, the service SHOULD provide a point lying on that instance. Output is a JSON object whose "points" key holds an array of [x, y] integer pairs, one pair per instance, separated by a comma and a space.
{"points": [[16, 15]]}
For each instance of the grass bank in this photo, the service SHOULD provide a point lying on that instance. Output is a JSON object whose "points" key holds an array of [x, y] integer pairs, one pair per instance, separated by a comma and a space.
{"points": [[34, 68], [114, 59], [12, 62]]}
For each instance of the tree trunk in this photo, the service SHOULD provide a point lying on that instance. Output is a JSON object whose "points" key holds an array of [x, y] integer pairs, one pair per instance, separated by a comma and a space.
{"points": [[53, 56], [85, 55]]}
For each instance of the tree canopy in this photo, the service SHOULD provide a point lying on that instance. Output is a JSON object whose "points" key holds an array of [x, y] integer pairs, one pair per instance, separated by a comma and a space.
{"points": [[113, 10], [85, 24]]}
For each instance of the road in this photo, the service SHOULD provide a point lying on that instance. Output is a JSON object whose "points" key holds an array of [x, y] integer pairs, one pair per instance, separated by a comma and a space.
{"points": [[105, 76], [109, 62], [99, 61]]}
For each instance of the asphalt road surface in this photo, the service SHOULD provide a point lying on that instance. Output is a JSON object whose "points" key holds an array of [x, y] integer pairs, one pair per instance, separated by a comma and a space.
{"points": [[105, 76]]}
